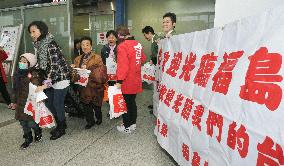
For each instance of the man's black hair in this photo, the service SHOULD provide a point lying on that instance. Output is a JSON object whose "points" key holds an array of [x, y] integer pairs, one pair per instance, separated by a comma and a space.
{"points": [[114, 33], [148, 29], [172, 16]]}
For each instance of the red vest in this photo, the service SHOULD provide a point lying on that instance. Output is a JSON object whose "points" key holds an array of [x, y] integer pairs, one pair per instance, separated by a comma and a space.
{"points": [[130, 56]]}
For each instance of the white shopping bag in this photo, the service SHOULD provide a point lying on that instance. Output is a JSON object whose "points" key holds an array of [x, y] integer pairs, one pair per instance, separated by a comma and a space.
{"points": [[116, 102], [36, 108], [148, 73], [111, 68], [111, 65], [45, 116], [84, 76]]}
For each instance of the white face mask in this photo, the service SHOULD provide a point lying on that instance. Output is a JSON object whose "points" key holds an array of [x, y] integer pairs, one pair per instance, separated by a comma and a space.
{"points": [[23, 65]]}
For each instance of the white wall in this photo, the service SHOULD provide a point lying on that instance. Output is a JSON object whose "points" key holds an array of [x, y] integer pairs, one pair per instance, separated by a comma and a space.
{"points": [[227, 11]]}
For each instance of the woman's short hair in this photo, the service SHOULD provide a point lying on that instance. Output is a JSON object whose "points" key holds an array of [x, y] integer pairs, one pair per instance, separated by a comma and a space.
{"points": [[87, 38], [43, 28]]}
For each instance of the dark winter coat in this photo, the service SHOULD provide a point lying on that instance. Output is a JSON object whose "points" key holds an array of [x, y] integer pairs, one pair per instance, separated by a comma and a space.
{"points": [[21, 89], [105, 52]]}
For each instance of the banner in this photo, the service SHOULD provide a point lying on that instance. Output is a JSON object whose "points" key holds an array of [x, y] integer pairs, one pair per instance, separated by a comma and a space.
{"points": [[220, 94]]}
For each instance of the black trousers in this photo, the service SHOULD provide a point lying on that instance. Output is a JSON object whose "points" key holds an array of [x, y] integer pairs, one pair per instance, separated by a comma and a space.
{"points": [[130, 117], [27, 125], [89, 113], [4, 91]]}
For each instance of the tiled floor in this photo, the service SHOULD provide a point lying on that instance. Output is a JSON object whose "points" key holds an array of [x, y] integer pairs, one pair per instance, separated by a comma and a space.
{"points": [[101, 145]]}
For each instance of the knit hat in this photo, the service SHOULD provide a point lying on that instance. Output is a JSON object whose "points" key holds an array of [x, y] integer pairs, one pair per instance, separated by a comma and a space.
{"points": [[31, 58]]}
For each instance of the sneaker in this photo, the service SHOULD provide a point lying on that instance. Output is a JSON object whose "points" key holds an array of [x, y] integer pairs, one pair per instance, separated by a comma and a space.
{"points": [[122, 129], [132, 127]]}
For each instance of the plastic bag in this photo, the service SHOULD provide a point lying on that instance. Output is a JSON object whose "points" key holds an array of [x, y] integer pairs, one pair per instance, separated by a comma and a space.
{"points": [[148, 73], [116, 102], [84, 76], [45, 116], [36, 108]]}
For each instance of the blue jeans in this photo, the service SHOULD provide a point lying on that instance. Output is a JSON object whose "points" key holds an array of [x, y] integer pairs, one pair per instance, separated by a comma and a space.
{"points": [[55, 102]]}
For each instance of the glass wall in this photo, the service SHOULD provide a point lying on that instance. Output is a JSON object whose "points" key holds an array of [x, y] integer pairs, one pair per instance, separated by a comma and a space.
{"points": [[56, 19], [99, 25], [54, 15], [192, 15]]}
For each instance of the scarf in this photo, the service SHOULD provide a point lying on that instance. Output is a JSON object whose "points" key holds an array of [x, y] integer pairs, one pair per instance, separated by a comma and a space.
{"points": [[85, 59], [41, 51]]}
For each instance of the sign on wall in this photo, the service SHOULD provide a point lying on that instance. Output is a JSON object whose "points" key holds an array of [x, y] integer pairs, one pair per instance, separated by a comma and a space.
{"points": [[101, 38], [220, 94], [11, 33]]}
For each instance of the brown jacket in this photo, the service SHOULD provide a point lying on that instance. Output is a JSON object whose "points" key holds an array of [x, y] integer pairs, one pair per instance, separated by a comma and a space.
{"points": [[21, 90], [94, 91], [95, 59]]}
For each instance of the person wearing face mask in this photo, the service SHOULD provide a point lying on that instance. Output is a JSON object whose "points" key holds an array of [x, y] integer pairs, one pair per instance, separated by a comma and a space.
{"points": [[92, 95], [52, 61], [3, 80], [21, 90], [169, 24]]}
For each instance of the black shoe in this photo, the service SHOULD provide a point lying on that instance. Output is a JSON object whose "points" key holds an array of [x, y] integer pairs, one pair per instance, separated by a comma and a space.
{"points": [[90, 125], [57, 134], [98, 122], [64, 125], [26, 145], [71, 115], [53, 131], [38, 135], [28, 140], [150, 106]]}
